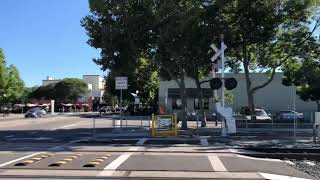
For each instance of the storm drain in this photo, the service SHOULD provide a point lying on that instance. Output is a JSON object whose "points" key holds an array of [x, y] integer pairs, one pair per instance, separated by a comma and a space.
{"points": [[65, 160], [34, 159], [97, 161]]}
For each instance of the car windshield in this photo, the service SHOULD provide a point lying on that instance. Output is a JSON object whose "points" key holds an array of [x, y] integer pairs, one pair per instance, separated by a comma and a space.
{"points": [[261, 113]]}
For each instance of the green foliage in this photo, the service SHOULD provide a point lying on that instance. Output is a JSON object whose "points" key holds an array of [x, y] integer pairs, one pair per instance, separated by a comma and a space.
{"points": [[228, 97], [305, 73], [11, 85], [15, 84], [69, 89], [3, 77]]}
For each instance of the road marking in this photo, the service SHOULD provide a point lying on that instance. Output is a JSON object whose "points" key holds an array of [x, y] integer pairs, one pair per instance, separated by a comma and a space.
{"points": [[141, 141], [19, 159], [110, 169], [70, 125], [275, 176], [63, 145], [216, 163], [259, 159]]}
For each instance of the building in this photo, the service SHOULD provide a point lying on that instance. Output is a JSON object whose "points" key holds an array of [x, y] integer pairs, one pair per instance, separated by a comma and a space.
{"points": [[95, 86], [50, 80], [273, 98]]}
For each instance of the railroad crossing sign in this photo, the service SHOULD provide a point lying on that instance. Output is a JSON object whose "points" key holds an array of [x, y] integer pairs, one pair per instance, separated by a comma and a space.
{"points": [[217, 51]]}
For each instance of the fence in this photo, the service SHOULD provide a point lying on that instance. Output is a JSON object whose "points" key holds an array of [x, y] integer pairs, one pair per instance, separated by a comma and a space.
{"points": [[132, 121]]}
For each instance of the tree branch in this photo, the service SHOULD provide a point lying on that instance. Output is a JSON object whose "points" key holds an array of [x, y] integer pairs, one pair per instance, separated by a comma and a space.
{"points": [[172, 76], [268, 82]]}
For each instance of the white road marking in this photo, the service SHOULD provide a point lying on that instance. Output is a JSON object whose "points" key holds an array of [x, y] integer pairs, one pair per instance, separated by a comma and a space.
{"points": [[110, 169], [71, 125], [141, 141], [216, 163], [275, 176], [19, 159], [259, 159], [63, 145]]}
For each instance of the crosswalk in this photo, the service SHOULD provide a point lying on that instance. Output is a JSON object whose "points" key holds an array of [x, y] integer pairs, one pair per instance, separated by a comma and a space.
{"points": [[141, 164]]}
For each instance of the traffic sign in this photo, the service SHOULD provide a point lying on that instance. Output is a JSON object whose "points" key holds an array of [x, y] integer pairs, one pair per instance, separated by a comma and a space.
{"points": [[217, 52], [121, 83]]}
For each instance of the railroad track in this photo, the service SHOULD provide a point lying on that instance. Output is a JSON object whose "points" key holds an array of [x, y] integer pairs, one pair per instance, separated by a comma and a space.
{"points": [[284, 153]]}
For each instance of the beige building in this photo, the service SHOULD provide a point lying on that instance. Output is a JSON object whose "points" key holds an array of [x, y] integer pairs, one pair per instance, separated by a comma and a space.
{"points": [[273, 98]]}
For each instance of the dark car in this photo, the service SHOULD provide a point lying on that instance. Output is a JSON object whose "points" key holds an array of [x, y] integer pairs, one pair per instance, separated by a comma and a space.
{"points": [[35, 112], [105, 109], [288, 116]]}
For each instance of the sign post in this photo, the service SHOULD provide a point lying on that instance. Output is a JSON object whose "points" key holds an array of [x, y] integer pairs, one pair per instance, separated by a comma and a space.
{"points": [[121, 84]]}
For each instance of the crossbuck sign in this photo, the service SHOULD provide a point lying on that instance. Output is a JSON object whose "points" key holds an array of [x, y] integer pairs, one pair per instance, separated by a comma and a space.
{"points": [[217, 51]]}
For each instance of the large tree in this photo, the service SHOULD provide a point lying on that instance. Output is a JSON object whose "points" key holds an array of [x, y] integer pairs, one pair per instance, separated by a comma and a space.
{"points": [[263, 35], [15, 84], [70, 89], [11, 85], [3, 78], [304, 72]]}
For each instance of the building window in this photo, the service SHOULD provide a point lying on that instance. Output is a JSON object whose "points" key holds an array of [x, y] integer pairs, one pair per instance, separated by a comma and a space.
{"points": [[176, 103], [197, 104]]}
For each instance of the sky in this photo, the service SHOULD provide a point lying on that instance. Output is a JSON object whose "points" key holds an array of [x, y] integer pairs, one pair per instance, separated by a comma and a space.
{"points": [[44, 38]]}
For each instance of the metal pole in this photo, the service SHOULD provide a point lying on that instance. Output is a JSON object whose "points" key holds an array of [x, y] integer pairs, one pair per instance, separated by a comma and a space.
{"points": [[94, 128], [294, 115], [222, 69], [121, 108]]}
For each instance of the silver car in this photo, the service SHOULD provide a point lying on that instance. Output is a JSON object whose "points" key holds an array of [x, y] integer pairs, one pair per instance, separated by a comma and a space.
{"points": [[288, 116]]}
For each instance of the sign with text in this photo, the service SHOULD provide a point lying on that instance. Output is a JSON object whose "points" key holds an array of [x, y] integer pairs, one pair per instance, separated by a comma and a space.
{"points": [[121, 83]]}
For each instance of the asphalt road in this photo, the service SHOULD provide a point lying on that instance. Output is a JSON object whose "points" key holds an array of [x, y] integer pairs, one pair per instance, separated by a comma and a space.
{"points": [[52, 147]]}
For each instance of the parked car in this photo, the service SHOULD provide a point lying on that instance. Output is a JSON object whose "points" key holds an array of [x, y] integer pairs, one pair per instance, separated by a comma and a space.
{"points": [[105, 109], [288, 116], [260, 114], [35, 112]]}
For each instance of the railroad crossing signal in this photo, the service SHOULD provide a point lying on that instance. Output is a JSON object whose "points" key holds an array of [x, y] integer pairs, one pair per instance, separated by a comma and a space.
{"points": [[217, 51]]}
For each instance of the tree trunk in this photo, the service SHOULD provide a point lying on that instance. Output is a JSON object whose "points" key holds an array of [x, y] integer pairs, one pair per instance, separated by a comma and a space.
{"points": [[318, 103], [200, 97], [183, 96], [250, 93]]}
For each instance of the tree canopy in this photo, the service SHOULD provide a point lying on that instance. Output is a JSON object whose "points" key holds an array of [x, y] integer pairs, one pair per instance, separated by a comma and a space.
{"points": [[69, 89], [177, 36], [11, 84]]}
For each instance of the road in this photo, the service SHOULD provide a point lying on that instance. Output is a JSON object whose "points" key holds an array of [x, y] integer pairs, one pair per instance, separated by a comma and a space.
{"points": [[53, 148]]}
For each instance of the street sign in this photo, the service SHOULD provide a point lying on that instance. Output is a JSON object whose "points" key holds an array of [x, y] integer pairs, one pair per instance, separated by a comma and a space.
{"points": [[136, 100], [121, 83]]}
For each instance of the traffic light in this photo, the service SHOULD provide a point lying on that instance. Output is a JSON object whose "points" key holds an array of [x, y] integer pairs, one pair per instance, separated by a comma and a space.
{"points": [[230, 83], [215, 83]]}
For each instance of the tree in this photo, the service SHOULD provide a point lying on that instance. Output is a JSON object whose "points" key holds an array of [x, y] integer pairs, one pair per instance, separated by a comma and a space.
{"points": [[264, 33], [3, 78], [11, 85], [305, 74], [15, 84], [70, 89], [44, 92]]}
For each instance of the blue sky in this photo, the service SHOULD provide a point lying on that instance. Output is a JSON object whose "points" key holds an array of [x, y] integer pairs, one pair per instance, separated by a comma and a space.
{"points": [[45, 38]]}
